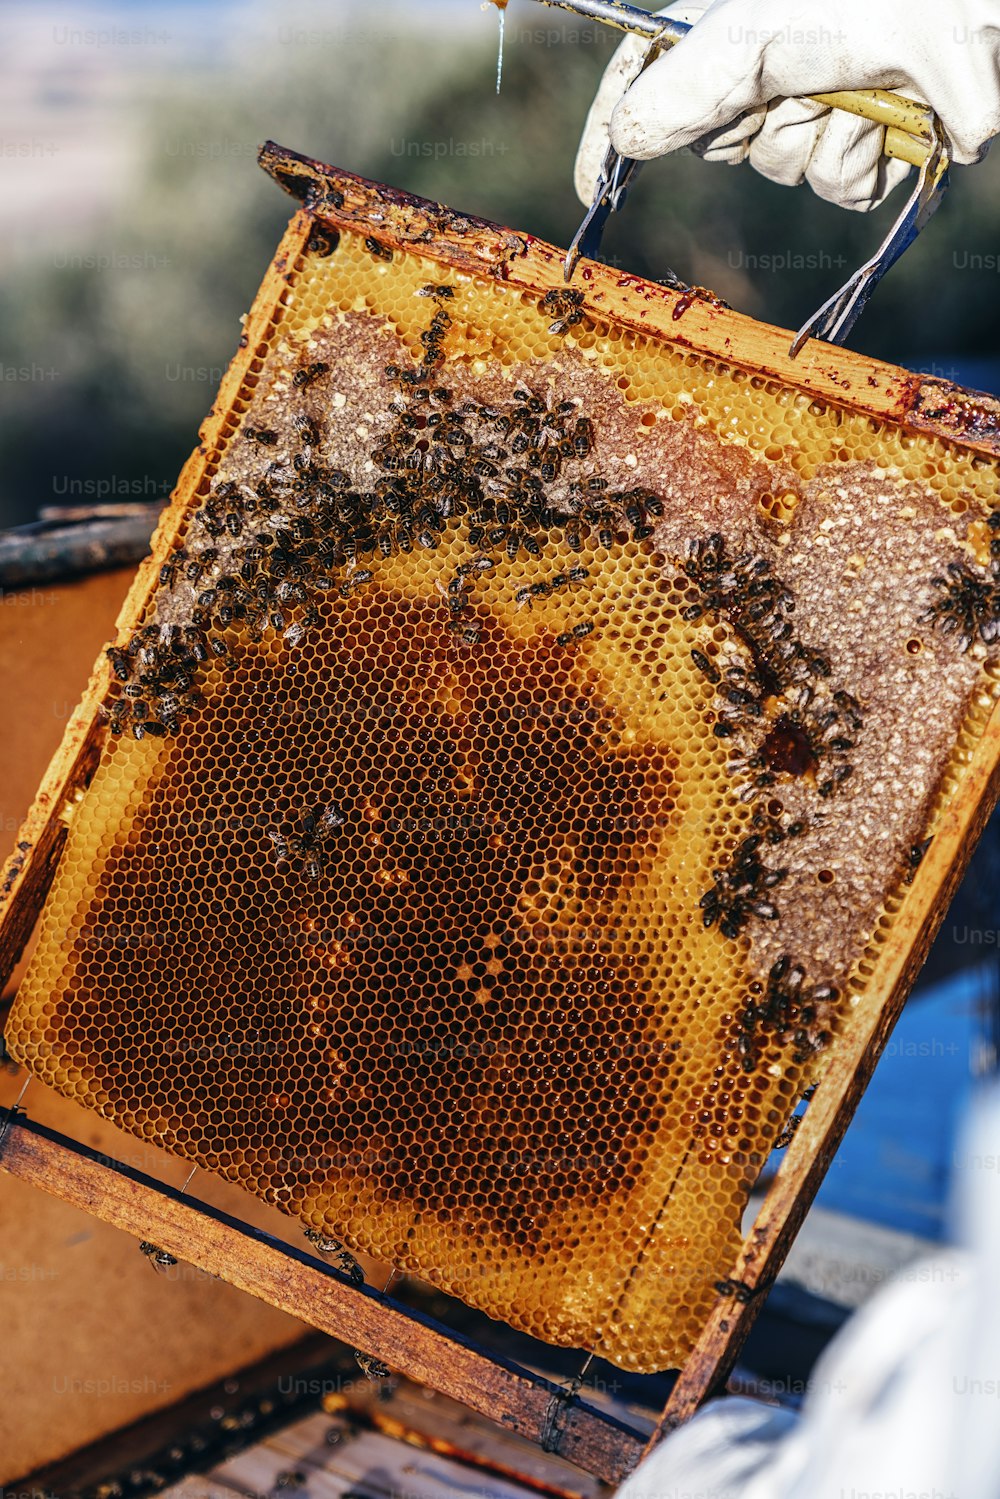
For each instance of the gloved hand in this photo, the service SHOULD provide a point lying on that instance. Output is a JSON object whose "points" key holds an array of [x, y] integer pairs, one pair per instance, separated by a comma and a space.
{"points": [[735, 88]]}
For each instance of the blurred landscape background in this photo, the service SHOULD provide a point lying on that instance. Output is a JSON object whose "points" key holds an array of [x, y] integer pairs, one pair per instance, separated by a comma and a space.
{"points": [[136, 225]]}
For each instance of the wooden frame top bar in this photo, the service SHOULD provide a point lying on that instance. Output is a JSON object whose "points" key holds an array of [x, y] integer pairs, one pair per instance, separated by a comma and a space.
{"points": [[691, 319]]}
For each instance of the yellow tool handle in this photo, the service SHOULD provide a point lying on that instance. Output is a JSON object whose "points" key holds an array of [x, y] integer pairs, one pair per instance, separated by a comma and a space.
{"points": [[909, 129]]}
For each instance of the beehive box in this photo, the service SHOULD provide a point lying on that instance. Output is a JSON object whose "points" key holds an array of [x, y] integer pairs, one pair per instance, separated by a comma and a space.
{"points": [[513, 777]]}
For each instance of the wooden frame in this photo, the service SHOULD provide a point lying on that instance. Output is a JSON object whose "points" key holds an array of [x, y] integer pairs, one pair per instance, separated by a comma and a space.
{"points": [[293, 1280]]}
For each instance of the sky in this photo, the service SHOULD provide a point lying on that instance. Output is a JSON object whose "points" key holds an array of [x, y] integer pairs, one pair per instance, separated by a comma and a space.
{"points": [[72, 77]]}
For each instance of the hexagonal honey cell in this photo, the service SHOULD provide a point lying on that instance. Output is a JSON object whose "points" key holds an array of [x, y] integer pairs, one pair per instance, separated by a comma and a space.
{"points": [[506, 793]]}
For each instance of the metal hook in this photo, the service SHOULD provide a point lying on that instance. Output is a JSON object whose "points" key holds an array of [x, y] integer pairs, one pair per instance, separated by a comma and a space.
{"points": [[9, 1116], [617, 171], [612, 185], [912, 133], [837, 316]]}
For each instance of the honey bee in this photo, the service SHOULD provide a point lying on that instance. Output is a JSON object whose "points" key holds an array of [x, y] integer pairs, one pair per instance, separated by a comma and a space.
{"points": [[356, 580], [477, 565], [787, 1134], [583, 437], [137, 705], [196, 566], [117, 715], [566, 304], [290, 1478], [705, 666], [310, 374], [211, 523], [290, 591], [120, 664], [157, 1257], [148, 726], [168, 572], [738, 1289], [534, 403], [348, 1265], [563, 324], [321, 1241], [323, 241], [915, 858], [468, 634], [372, 1368]]}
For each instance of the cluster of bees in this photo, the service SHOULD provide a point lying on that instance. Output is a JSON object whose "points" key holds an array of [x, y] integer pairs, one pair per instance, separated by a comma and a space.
{"points": [[157, 675], [262, 554], [305, 849], [968, 599], [789, 1009], [741, 889], [813, 734], [345, 1261], [491, 464]]}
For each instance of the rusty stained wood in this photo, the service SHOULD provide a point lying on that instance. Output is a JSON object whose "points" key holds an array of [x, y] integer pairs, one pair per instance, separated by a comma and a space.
{"points": [[28, 873], [289, 1279]]}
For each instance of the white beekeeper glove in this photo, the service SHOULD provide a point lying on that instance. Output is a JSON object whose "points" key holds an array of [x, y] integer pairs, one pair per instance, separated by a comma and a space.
{"points": [[735, 89]]}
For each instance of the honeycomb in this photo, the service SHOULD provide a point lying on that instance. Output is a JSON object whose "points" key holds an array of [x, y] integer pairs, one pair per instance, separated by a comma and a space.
{"points": [[524, 754]]}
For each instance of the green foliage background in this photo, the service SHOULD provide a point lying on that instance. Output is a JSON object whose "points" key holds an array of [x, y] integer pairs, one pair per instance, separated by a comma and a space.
{"points": [[413, 103]]}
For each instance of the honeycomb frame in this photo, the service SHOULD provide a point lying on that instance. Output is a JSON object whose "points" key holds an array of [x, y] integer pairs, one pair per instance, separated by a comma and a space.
{"points": [[963, 426]]}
